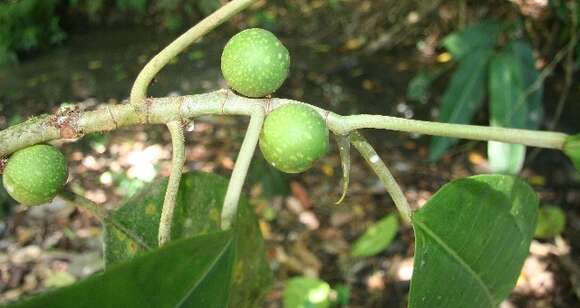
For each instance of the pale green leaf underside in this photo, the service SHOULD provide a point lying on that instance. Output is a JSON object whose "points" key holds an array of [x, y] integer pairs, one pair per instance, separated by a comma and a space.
{"points": [[472, 238]]}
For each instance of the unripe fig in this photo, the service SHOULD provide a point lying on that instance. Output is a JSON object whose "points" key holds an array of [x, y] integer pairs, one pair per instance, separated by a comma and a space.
{"points": [[34, 175], [255, 63], [294, 136]]}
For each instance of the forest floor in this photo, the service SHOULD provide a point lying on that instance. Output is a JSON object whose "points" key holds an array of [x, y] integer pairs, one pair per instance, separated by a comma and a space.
{"points": [[54, 245]]}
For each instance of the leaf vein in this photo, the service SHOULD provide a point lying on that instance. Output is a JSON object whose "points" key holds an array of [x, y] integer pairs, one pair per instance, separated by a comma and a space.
{"points": [[457, 258]]}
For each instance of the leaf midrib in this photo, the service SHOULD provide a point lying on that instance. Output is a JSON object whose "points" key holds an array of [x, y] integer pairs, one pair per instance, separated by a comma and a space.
{"points": [[206, 272], [457, 258]]}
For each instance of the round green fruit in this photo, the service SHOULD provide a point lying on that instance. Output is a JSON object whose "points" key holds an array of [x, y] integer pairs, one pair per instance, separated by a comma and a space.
{"points": [[255, 63], [35, 175], [294, 136]]}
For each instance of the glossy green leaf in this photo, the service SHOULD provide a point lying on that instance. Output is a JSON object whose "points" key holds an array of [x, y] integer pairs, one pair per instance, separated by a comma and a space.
{"points": [[462, 97], [507, 109], [378, 237], [471, 240], [198, 209], [572, 150], [306, 292], [475, 37], [194, 272], [551, 222]]}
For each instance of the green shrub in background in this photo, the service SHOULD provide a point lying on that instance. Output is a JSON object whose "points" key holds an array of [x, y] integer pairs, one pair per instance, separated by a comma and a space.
{"points": [[26, 25], [504, 73]]}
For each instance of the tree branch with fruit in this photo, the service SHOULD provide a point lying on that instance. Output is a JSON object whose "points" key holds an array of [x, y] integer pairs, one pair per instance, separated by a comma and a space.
{"points": [[292, 135]]}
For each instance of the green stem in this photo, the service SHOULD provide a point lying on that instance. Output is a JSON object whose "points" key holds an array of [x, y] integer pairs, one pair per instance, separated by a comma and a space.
{"points": [[232, 198], [541, 139], [177, 161], [139, 89], [379, 167]]}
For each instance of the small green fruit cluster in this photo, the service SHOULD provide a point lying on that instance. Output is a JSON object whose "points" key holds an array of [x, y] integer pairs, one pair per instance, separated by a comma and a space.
{"points": [[34, 175], [294, 136], [255, 63]]}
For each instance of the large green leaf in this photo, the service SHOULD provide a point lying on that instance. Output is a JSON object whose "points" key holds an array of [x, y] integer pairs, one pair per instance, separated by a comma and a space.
{"points": [[194, 272], [507, 109], [197, 212], [479, 36], [462, 97], [378, 237], [472, 239]]}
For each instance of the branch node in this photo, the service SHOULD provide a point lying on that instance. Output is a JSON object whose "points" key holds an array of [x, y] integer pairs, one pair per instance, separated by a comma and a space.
{"points": [[223, 105], [269, 105], [148, 102], [66, 121], [112, 117], [326, 115], [182, 99]]}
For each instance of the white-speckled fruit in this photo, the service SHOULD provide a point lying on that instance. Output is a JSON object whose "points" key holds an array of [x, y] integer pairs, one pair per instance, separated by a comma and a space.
{"points": [[294, 136], [255, 63], [35, 175]]}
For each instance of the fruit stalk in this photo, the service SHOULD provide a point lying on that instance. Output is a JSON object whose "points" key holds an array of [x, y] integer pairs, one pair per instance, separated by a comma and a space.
{"points": [[379, 167], [232, 197], [177, 161]]}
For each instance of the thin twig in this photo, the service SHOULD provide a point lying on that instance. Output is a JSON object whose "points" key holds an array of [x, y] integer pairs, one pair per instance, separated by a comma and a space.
{"points": [[381, 170], [177, 161], [139, 89]]}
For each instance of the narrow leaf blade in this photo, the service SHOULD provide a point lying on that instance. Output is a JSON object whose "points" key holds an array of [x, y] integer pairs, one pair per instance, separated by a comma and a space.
{"points": [[462, 97], [508, 108], [472, 238], [378, 237], [479, 36], [534, 92]]}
